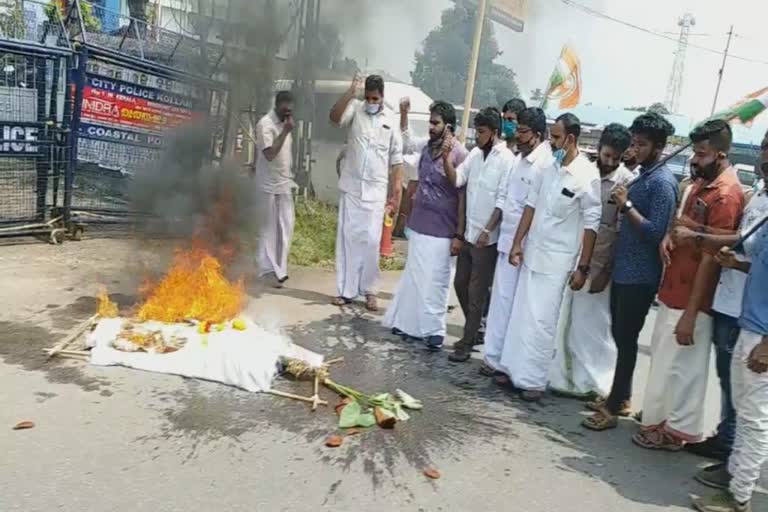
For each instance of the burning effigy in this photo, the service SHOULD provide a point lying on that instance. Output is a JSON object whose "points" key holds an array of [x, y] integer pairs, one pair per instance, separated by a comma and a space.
{"points": [[191, 324]]}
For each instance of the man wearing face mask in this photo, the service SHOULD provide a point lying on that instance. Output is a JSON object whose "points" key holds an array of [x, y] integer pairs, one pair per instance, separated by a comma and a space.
{"points": [[535, 154], [561, 219], [370, 184], [275, 182], [673, 406], [509, 122], [647, 206], [484, 173], [586, 354], [436, 227], [726, 309]]}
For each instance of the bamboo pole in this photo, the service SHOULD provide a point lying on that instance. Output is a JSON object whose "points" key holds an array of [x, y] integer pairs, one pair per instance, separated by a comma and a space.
{"points": [[296, 397], [472, 71], [72, 336], [316, 396]]}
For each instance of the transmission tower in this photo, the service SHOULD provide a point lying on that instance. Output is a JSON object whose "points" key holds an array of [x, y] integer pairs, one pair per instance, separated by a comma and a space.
{"points": [[675, 84]]}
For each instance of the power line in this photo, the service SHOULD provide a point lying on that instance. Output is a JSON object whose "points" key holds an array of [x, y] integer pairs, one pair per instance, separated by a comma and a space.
{"points": [[599, 14]]}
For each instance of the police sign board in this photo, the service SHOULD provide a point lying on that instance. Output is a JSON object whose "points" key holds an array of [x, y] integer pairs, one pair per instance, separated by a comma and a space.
{"points": [[19, 139]]}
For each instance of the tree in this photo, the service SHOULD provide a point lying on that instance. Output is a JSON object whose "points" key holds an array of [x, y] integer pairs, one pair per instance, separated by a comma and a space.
{"points": [[441, 64], [537, 96], [657, 107]]}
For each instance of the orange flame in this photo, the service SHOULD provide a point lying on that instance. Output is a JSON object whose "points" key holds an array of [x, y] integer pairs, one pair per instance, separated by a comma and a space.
{"points": [[194, 288], [107, 308]]}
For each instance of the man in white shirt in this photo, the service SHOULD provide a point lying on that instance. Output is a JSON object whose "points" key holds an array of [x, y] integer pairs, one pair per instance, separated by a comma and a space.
{"points": [[484, 173], [585, 357], [561, 219], [370, 183], [274, 178], [535, 155]]}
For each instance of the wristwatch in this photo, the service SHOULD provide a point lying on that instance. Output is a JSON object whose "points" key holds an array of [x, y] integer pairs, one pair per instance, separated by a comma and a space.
{"points": [[584, 269], [627, 206]]}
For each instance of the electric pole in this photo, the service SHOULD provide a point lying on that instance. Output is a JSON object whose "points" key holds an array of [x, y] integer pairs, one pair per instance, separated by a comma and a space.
{"points": [[722, 69]]}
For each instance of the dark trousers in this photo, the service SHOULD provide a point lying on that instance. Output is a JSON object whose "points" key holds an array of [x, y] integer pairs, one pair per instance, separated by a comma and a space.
{"points": [[630, 304], [474, 274], [725, 334]]}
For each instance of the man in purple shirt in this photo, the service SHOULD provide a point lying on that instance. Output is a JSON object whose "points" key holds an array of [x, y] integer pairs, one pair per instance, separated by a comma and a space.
{"points": [[435, 228]]}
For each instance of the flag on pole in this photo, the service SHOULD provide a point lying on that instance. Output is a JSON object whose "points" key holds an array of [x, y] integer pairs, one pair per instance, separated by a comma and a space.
{"points": [[746, 110], [565, 84]]}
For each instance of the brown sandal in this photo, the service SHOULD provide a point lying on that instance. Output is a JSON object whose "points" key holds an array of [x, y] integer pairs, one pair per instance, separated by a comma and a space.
{"points": [[340, 301], [597, 405], [601, 420], [657, 439], [371, 303]]}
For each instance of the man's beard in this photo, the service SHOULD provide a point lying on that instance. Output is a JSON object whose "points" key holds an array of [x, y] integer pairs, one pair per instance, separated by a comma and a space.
{"points": [[604, 169], [707, 172]]}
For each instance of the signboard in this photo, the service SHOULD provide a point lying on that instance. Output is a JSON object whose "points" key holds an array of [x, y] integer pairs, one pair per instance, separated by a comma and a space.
{"points": [[125, 114], [509, 13], [19, 139]]}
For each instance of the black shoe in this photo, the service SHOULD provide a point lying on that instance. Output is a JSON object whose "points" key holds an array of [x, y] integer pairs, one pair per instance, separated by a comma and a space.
{"points": [[435, 343], [715, 476], [710, 448], [460, 354]]}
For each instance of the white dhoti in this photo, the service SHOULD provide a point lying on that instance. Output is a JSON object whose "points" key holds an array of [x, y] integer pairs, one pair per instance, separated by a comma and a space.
{"points": [[357, 246], [750, 398], [275, 234], [530, 340], [420, 304], [585, 356], [677, 380], [499, 310]]}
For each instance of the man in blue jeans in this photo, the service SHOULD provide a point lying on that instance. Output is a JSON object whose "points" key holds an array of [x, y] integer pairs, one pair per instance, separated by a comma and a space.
{"points": [[727, 308]]}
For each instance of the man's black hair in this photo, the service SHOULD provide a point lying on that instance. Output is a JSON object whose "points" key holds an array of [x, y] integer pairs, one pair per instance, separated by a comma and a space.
{"points": [[571, 123], [654, 126], [535, 119], [446, 111], [283, 97], [616, 136], [515, 105], [716, 131], [488, 117], [374, 83]]}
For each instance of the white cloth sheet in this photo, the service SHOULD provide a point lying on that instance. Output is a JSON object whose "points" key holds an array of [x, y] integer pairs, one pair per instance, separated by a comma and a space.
{"points": [[585, 357], [245, 359], [420, 304], [358, 237], [529, 345], [677, 380], [277, 222]]}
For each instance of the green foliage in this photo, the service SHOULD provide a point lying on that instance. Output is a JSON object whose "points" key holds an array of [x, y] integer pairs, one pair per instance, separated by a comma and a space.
{"points": [[54, 14], [657, 107], [314, 237], [441, 64], [12, 22]]}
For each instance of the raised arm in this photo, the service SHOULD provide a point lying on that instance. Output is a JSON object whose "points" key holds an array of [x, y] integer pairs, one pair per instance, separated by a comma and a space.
{"points": [[338, 109], [660, 215], [272, 150]]}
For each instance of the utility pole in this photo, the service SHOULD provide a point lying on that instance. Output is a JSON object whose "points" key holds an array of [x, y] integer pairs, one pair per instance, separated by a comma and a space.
{"points": [[722, 69], [472, 71]]}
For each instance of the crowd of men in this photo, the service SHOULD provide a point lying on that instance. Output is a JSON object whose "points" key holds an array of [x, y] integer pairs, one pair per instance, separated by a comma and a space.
{"points": [[562, 258]]}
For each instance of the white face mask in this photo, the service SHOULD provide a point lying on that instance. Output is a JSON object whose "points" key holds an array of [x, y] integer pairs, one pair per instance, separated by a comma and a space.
{"points": [[372, 108]]}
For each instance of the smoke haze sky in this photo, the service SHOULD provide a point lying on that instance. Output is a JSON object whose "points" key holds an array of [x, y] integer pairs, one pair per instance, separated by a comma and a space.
{"points": [[622, 66]]}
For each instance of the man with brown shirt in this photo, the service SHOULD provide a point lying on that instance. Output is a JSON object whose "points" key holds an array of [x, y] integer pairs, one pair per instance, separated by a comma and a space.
{"points": [[673, 411]]}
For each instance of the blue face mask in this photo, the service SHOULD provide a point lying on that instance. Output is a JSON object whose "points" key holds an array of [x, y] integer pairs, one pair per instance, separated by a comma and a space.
{"points": [[372, 108], [508, 129], [559, 155]]}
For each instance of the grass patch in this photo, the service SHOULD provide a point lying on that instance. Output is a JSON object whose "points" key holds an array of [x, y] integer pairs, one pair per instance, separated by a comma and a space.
{"points": [[314, 238]]}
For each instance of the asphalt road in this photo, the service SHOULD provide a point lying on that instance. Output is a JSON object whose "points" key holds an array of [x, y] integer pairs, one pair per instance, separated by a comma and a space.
{"points": [[119, 440]]}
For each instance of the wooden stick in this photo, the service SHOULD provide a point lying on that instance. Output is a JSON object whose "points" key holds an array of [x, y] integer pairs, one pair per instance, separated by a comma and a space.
{"points": [[79, 353], [334, 361], [73, 335], [295, 397], [316, 396]]}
